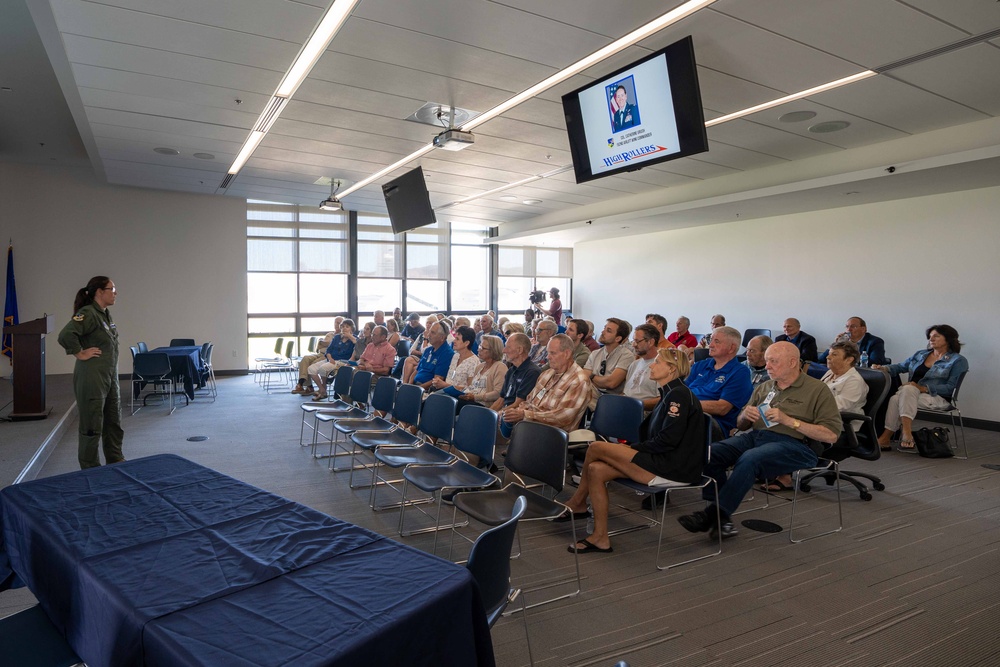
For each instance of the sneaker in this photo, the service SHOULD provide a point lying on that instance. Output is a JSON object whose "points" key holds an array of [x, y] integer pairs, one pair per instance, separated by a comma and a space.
{"points": [[699, 522], [728, 530]]}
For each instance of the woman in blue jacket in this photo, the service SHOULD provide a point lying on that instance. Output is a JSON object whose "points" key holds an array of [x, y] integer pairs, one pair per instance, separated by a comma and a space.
{"points": [[933, 377]]}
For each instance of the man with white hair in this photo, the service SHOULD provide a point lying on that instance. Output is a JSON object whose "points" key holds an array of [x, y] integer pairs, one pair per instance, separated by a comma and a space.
{"points": [[721, 382], [560, 394], [544, 332], [782, 415]]}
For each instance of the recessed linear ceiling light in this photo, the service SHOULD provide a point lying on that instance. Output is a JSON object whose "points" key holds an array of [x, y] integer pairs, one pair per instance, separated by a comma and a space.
{"points": [[794, 96], [637, 35], [531, 202], [310, 53]]}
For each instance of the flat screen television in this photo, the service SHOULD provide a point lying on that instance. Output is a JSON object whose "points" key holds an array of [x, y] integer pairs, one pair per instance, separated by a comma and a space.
{"points": [[642, 114], [408, 202]]}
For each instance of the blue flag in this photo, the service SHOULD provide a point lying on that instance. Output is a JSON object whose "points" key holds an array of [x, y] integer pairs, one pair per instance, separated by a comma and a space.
{"points": [[10, 305]]}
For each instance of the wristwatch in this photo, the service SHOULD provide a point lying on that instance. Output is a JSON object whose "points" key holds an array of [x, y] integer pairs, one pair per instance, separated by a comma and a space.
{"points": [[796, 424]]}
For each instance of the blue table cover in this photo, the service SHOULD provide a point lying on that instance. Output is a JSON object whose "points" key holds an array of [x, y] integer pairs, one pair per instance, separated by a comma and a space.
{"points": [[161, 561], [185, 362]]}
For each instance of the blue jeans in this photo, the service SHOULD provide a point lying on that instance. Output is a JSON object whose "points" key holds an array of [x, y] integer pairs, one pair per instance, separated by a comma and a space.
{"points": [[506, 428], [754, 455]]}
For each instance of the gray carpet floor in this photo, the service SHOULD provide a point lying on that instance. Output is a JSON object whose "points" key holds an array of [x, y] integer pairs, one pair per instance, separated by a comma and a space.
{"points": [[913, 579]]}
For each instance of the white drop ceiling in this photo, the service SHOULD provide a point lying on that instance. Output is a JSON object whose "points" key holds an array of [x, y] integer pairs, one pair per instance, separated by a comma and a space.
{"points": [[104, 83]]}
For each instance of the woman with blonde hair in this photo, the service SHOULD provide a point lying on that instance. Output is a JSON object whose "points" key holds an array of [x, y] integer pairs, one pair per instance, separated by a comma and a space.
{"points": [[671, 449]]}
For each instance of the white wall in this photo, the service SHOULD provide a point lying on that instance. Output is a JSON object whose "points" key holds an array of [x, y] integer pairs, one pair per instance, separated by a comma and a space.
{"points": [[901, 265], [178, 260]]}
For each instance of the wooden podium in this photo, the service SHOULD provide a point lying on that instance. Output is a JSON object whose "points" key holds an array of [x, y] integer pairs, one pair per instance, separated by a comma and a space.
{"points": [[29, 367]]}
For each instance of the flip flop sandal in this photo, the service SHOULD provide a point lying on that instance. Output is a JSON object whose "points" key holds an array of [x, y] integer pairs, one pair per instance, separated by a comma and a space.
{"points": [[588, 547]]}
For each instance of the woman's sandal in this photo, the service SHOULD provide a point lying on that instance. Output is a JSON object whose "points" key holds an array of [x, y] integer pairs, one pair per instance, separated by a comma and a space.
{"points": [[906, 444]]}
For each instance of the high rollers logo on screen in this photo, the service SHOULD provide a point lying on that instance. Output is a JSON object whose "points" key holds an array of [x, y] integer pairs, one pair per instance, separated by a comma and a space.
{"points": [[625, 156]]}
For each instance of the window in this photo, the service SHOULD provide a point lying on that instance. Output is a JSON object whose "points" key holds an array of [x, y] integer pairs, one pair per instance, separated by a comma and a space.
{"points": [[470, 268], [524, 269]]}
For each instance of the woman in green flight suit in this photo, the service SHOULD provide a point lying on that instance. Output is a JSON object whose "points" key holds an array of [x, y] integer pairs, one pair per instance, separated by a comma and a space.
{"points": [[92, 338]]}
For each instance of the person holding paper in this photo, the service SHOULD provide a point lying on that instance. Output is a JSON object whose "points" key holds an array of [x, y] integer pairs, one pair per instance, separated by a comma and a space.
{"points": [[783, 414]]}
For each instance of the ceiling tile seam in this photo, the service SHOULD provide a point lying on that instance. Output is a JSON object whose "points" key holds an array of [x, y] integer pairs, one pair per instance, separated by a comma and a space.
{"points": [[174, 19], [930, 54], [171, 100], [158, 50], [932, 16], [937, 95], [524, 11], [817, 139], [234, 91], [178, 118]]}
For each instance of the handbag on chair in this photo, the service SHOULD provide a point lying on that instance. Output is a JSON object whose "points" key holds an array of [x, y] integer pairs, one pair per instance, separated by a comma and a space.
{"points": [[932, 443]]}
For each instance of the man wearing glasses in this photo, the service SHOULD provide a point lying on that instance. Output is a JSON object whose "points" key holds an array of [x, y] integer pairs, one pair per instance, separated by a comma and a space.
{"points": [[637, 382]]}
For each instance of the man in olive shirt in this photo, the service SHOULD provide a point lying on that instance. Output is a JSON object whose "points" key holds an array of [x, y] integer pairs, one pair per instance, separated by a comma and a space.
{"points": [[797, 407]]}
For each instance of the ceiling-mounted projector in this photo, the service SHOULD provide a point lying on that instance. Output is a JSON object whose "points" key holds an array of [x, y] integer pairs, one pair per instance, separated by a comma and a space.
{"points": [[331, 204], [454, 140]]}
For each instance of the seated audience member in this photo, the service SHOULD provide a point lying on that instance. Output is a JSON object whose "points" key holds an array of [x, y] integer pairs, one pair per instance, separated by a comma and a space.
{"points": [[721, 382], [799, 338], [487, 328], [392, 327], [849, 391], [544, 332], [519, 380], [577, 330], [638, 383], [337, 354], [362, 341], [589, 339], [486, 382], [856, 331], [436, 358], [512, 328], [463, 363], [397, 314], [756, 347], [529, 319], [660, 322], [413, 328], [716, 322], [560, 394], [681, 336], [607, 366], [671, 449], [379, 357], [798, 408], [933, 376], [379, 318], [305, 382], [416, 351]]}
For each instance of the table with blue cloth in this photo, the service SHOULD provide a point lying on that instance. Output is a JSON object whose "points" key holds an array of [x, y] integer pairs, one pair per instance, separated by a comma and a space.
{"points": [[185, 362], [161, 561]]}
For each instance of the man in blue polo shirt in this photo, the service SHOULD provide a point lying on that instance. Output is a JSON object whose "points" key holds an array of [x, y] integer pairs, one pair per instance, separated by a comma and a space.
{"points": [[436, 359], [721, 382]]}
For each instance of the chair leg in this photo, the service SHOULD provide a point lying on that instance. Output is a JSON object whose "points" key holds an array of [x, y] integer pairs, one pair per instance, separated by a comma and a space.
{"points": [[795, 493], [718, 522], [961, 428]]}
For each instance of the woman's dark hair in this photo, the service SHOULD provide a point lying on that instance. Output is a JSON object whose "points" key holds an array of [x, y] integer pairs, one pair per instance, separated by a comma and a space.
{"points": [[950, 335], [85, 296], [468, 334]]}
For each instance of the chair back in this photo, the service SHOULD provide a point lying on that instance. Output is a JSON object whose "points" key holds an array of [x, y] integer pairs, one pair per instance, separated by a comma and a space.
{"points": [[384, 394], [204, 351], [278, 344], [361, 387], [178, 342], [958, 385], [312, 344], [409, 400], [342, 381], [403, 348], [143, 347], [151, 365], [700, 354], [863, 443], [709, 423], [617, 417], [134, 350], [697, 337], [289, 348], [476, 433], [538, 451], [751, 333], [206, 354], [489, 562], [437, 417]]}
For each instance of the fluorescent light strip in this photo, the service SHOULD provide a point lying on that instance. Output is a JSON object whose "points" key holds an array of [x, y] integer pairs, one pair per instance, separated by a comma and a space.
{"points": [[614, 47], [311, 51], [791, 98], [671, 17]]}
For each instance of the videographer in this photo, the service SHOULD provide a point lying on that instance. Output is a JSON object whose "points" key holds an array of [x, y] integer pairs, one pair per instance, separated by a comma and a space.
{"points": [[555, 305]]}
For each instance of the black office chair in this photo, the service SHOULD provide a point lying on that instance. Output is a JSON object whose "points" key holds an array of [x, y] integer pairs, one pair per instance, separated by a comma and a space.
{"points": [[152, 368], [180, 342], [143, 347], [28, 639], [700, 354], [860, 444]]}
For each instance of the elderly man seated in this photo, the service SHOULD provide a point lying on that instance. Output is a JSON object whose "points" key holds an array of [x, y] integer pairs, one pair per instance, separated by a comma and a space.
{"points": [[379, 357], [560, 394], [436, 358], [544, 332], [337, 354], [305, 382], [756, 347], [783, 414], [795, 335], [856, 331], [519, 381]]}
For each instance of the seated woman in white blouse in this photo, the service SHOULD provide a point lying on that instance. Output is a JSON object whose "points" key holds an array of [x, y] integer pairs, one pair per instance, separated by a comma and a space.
{"points": [[463, 363], [487, 382], [848, 387]]}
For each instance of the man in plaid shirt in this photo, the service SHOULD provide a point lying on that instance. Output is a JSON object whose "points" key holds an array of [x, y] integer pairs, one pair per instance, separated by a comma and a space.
{"points": [[561, 393]]}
